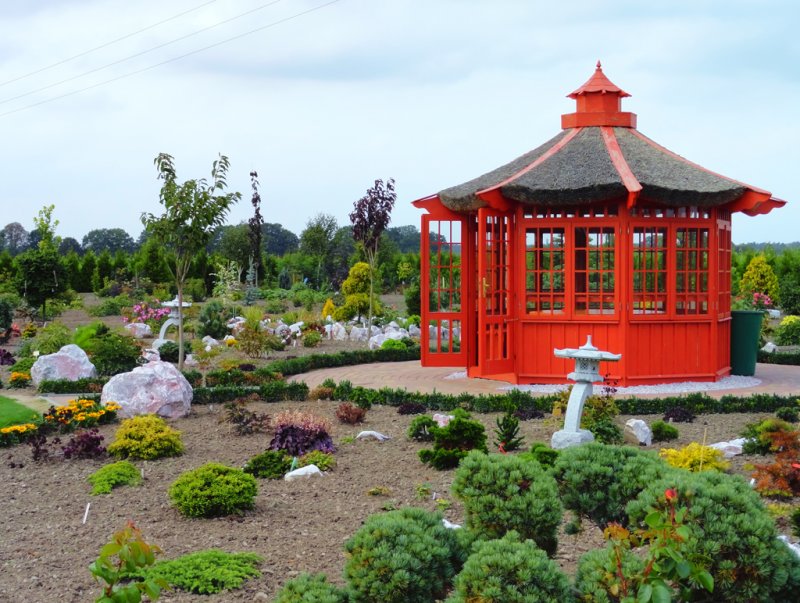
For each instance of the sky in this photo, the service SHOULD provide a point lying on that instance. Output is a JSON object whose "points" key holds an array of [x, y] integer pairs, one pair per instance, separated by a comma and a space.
{"points": [[322, 97]]}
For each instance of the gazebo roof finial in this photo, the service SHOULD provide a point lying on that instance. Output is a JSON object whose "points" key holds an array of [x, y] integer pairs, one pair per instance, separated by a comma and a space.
{"points": [[599, 103]]}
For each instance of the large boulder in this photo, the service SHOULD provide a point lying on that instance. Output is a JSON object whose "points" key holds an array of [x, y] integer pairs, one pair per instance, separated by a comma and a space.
{"points": [[70, 363], [139, 330], [155, 388]]}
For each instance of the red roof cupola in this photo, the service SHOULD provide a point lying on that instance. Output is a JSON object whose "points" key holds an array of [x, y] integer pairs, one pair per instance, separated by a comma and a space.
{"points": [[599, 103]]}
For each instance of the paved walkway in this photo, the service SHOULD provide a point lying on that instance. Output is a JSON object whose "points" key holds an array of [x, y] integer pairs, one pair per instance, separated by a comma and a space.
{"points": [[775, 379]]}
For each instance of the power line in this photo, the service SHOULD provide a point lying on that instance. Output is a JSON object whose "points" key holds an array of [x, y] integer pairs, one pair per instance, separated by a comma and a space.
{"points": [[138, 54], [85, 52], [172, 60]]}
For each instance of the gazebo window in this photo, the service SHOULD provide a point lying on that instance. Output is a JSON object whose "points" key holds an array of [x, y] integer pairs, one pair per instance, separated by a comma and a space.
{"points": [[444, 285], [594, 270], [724, 261], [649, 270], [691, 271], [544, 270]]}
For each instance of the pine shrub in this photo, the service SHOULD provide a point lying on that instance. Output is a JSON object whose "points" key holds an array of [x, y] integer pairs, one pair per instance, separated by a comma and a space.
{"points": [[404, 556], [507, 432], [788, 414], [206, 572], [502, 493], [212, 321], [213, 490], [422, 428], [308, 588], [510, 570], [272, 464], [146, 437], [595, 581], [597, 481], [453, 442], [663, 432], [541, 453], [737, 536], [108, 477]]}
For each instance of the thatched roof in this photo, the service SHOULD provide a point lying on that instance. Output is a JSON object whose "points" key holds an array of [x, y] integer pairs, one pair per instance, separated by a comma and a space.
{"points": [[595, 160]]}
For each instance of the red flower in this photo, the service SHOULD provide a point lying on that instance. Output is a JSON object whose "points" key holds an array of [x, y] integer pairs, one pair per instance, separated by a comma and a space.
{"points": [[670, 494]]}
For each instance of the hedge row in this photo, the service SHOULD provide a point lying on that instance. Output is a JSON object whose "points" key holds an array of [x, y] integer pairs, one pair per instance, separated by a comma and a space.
{"points": [[64, 386], [789, 358], [304, 364], [274, 391]]}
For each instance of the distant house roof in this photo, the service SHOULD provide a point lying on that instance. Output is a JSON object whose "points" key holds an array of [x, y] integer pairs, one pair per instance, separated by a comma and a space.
{"points": [[601, 156]]}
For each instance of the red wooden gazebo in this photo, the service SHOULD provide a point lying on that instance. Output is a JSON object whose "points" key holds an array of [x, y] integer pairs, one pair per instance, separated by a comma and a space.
{"points": [[599, 231]]}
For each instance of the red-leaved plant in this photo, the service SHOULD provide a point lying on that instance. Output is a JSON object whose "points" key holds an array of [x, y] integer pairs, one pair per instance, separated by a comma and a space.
{"points": [[299, 432]]}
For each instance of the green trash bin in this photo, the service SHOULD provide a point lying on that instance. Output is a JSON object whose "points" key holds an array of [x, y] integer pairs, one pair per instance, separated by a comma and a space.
{"points": [[745, 336]]}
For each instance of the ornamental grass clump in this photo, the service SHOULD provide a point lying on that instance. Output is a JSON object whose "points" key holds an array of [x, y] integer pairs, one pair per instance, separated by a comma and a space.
{"points": [[298, 432], [146, 437], [597, 481], [735, 535], [108, 477], [311, 588], [510, 570], [502, 493], [695, 457], [213, 490], [402, 556]]}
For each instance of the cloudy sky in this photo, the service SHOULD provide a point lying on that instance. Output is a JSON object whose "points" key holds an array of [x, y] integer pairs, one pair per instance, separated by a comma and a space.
{"points": [[322, 98]]}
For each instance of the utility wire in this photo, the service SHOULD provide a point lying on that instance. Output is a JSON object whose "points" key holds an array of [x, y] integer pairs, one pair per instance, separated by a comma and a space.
{"points": [[138, 54], [85, 52], [172, 60]]}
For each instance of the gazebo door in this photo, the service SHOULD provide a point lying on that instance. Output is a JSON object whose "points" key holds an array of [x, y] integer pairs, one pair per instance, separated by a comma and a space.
{"points": [[495, 253]]}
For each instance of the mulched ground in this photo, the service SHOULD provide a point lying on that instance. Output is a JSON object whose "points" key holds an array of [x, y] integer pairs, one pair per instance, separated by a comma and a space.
{"points": [[297, 526]]}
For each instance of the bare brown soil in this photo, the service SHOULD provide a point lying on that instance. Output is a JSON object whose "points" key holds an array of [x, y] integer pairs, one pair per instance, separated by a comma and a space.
{"points": [[296, 526]]}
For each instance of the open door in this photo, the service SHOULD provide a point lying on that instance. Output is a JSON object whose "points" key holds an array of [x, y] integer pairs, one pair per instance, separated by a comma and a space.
{"points": [[495, 290]]}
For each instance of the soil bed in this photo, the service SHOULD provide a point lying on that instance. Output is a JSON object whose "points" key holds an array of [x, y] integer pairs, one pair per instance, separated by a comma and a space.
{"points": [[297, 526]]}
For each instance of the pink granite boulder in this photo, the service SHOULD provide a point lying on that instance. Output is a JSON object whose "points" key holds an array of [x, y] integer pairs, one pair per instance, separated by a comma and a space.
{"points": [[70, 363], [155, 388]]}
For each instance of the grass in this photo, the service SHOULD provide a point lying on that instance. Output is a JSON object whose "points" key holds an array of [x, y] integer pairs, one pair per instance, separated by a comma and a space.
{"points": [[14, 413]]}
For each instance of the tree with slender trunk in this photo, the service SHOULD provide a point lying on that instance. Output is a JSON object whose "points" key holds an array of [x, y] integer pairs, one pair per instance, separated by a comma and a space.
{"points": [[370, 216], [256, 222], [192, 211]]}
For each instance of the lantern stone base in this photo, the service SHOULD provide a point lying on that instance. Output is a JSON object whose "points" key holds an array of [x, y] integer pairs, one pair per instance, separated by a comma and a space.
{"points": [[566, 439]]}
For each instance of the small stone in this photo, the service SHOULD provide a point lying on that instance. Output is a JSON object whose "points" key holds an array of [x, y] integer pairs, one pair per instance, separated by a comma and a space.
{"points": [[638, 432], [261, 596], [303, 472], [566, 439], [372, 434]]}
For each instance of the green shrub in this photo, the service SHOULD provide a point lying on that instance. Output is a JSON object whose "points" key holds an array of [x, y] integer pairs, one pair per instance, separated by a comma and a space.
{"points": [[507, 432], [510, 571], [168, 352], [795, 521], [7, 308], [787, 413], [272, 464], [323, 460], [48, 340], [597, 481], [695, 457], [788, 332], [114, 353], [308, 588], [541, 453], [737, 536], [453, 442], [212, 321], [311, 339], [111, 306], [108, 477], [205, 572], [23, 365], [393, 344], [593, 579], [403, 556], [213, 490], [663, 432], [421, 428], [146, 437], [502, 493], [757, 436]]}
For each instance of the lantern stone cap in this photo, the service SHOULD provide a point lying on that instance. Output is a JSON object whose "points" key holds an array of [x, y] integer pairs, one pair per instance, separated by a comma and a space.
{"points": [[174, 303], [586, 352]]}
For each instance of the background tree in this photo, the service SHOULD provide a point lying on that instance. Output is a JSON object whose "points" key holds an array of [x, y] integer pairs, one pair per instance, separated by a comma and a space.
{"points": [[192, 211], [68, 244], [14, 238], [316, 239], [407, 238], [277, 240], [41, 274], [370, 217], [109, 239], [759, 278], [254, 234], [234, 245]]}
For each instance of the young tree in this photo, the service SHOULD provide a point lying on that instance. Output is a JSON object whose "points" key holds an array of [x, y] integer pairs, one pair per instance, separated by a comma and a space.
{"points": [[192, 211], [370, 217], [256, 222]]}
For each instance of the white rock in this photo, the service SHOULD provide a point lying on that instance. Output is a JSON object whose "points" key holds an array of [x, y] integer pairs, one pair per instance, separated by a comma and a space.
{"points": [[208, 340], [155, 388], [413, 331], [303, 472], [769, 348], [774, 313], [150, 355], [393, 325], [794, 547], [639, 431], [364, 435], [189, 360], [729, 449], [296, 327], [442, 420], [566, 439], [139, 330], [228, 338], [358, 334], [373, 330], [339, 332], [283, 331], [450, 525], [70, 363], [376, 341]]}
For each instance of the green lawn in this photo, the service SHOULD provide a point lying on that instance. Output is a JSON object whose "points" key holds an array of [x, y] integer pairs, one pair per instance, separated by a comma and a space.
{"points": [[13, 413]]}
